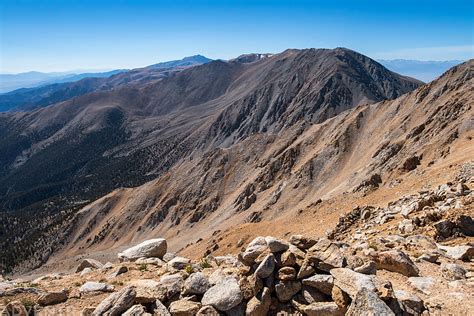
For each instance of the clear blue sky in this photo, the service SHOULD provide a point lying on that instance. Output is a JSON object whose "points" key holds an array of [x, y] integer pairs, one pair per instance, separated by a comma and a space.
{"points": [[56, 35]]}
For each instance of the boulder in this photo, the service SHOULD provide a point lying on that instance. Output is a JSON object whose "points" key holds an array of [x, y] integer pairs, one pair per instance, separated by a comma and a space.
{"points": [[147, 249], [196, 283], [250, 286], [368, 267], [179, 263], [322, 282], [173, 284], [85, 271], [117, 303], [254, 249], [368, 303], [52, 298], [465, 252], [276, 245], [224, 295], [409, 303], [266, 267], [323, 309], [91, 286], [302, 242], [452, 271], [444, 228], [184, 308], [326, 255], [285, 290], [135, 310], [89, 263], [259, 304], [396, 261], [465, 224]]}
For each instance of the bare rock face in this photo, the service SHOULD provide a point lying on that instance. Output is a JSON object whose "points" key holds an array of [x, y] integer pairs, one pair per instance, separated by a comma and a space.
{"points": [[367, 302], [116, 303], [396, 261], [149, 248], [224, 295]]}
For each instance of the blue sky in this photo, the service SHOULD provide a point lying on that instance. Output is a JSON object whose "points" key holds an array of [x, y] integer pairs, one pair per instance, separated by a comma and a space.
{"points": [[58, 35]]}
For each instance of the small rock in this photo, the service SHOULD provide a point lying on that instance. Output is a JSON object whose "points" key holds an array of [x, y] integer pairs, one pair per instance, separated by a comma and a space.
{"points": [[250, 286], [341, 298], [184, 308], [52, 298], [118, 271], [367, 302], [396, 261], [452, 271], [149, 248], [179, 263], [322, 282], [287, 274], [168, 256], [409, 303], [266, 267], [90, 286], [406, 226], [173, 284], [224, 295], [444, 228], [206, 311], [196, 283], [259, 304], [276, 245], [285, 290], [323, 309], [160, 309], [116, 303], [135, 310], [85, 271], [88, 263], [367, 268], [302, 242], [429, 257]]}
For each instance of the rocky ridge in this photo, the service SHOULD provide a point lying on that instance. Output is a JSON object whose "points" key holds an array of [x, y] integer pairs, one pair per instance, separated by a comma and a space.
{"points": [[412, 257]]}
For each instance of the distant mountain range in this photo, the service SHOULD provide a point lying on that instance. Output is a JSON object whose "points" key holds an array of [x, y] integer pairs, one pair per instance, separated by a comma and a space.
{"points": [[31, 79], [423, 70]]}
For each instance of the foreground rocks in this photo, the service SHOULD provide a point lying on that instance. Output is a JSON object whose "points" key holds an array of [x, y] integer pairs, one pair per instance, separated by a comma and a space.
{"points": [[359, 270]]}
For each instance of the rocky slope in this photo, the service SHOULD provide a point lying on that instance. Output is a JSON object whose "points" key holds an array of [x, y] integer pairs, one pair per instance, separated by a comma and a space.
{"points": [[410, 257], [57, 159], [267, 177]]}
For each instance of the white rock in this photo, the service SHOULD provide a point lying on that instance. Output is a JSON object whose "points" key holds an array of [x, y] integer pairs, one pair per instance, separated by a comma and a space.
{"points": [[149, 248], [224, 295], [95, 287]]}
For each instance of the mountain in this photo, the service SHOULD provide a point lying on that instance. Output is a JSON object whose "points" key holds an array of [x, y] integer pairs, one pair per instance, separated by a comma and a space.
{"points": [[422, 70], [72, 86], [204, 119], [11, 82], [298, 179]]}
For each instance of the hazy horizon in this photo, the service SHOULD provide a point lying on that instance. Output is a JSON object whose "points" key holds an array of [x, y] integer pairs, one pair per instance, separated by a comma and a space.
{"points": [[57, 36]]}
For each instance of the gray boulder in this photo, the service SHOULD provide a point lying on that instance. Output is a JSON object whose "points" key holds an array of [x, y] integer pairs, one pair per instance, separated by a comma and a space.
{"points": [[196, 283], [224, 295], [184, 308], [396, 261], [52, 298], [266, 267], [135, 310], [149, 248], [322, 282], [452, 271], [117, 303], [91, 286], [352, 282], [276, 245], [368, 303], [285, 290], [259, 304], [254, 249], [89, 263]]}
